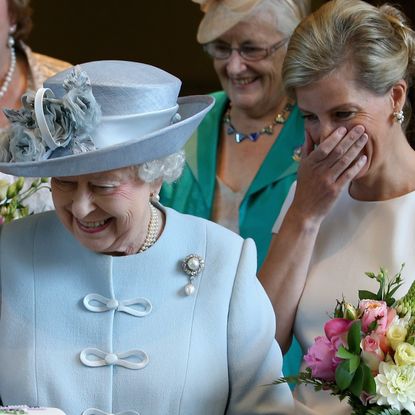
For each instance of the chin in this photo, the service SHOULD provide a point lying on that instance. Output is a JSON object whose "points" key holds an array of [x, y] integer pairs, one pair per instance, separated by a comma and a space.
{"points": [[246, 99], [247, 102]]}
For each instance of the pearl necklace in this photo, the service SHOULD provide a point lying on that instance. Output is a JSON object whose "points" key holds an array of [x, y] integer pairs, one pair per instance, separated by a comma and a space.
{"points": [[152, 231], [280, 118], [8, 78]]}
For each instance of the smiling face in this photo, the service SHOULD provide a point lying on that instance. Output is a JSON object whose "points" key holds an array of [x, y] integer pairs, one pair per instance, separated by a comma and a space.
{"points": [[252, 85], [107, 212], [337, 100]]}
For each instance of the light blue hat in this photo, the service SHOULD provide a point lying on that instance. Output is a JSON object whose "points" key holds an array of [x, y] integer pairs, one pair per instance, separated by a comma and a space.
{"points": [[99, 116]]}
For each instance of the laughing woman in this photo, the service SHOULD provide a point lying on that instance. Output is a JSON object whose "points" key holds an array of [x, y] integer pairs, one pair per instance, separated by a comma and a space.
{"points": [[113, 303], [349, 65]]}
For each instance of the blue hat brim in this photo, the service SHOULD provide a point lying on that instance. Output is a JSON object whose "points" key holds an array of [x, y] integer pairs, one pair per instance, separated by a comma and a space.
{"points": [[149, 147]]}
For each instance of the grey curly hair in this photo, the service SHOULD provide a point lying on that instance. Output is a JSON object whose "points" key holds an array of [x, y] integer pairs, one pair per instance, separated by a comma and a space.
{"points": [[167, 169], [285, 13]]}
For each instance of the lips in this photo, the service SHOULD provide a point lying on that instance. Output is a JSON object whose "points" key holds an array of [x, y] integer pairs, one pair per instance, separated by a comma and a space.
{"points": [[243, 81], [93, 226]]}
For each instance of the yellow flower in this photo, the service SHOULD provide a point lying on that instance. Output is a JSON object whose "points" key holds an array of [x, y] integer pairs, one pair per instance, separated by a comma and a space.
{"points": [[405, 354], [396, 334]]}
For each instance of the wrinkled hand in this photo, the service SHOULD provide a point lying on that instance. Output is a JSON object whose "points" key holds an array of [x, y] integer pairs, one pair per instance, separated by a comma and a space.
{"points": [[324, 171]]}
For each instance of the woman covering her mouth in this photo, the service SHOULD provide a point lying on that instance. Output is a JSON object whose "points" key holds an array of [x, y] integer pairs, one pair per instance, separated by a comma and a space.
{"points": [[114, 304], [349, 65]]}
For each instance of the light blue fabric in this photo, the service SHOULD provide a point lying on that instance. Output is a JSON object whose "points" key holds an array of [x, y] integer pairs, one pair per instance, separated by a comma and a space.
{"points": [[211, 353], [194, 191]]}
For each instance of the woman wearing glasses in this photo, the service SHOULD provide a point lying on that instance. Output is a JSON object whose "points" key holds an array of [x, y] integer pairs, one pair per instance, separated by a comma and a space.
{"points": [[241, 162]]}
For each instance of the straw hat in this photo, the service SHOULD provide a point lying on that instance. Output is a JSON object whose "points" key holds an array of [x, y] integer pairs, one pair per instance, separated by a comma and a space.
{"points": [[99, 116], [221, 15]]}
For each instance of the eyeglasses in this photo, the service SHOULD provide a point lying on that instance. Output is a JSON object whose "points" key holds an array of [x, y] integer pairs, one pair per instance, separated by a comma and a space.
{"points": [[222, 51]]}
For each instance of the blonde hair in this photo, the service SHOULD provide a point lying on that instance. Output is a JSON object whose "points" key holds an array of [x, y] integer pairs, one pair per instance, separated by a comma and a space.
{"points": [[377, 41]]}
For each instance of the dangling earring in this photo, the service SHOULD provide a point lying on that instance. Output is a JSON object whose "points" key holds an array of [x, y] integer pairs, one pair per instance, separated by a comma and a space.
{"points": [[154, 198], [12, 67], [10, 40], [399, 116]]}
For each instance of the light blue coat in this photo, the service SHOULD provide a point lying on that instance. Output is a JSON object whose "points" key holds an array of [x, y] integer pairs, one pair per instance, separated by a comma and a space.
{"points": [[209, 353]]}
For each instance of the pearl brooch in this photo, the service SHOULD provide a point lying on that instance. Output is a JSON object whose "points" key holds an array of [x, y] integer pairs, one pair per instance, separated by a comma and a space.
{"points": [[192, 265]]}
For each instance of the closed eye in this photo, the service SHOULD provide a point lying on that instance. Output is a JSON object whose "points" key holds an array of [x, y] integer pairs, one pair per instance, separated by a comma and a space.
{"points": [[63, 184], [344, 115], [309, 117], [103, 188]]}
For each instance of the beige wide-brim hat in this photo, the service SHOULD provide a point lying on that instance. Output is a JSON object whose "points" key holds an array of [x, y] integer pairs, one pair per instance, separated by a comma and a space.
{"points": [[101, 116], [221, 15]]}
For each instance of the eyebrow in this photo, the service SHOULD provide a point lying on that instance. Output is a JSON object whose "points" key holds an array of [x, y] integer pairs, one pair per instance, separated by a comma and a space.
{"points": [[336, 108]]}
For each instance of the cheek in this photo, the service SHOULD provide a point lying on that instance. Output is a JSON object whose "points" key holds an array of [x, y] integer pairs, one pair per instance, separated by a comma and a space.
{"points": [[59, 198], [219, 67]]}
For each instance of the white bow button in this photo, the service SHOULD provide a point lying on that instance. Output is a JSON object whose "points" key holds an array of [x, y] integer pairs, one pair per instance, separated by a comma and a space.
{"points": [[133, 359], [137, 307]]}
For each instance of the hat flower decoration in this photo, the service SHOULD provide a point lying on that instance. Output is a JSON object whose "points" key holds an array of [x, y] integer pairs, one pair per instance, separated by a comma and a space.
{"points": [[99, 116], [45, 123]]}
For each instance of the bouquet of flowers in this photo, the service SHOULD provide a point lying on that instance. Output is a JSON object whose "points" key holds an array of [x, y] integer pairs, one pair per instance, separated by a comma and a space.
{"points": [[13, 196], [367, 354]]}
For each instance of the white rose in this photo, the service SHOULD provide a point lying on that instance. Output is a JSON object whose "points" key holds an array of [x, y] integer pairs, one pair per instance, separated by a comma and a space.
{"points": [[396, 334], [405, 354]]}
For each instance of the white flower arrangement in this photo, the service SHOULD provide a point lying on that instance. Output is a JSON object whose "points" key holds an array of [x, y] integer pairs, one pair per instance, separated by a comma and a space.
{"points": [[395, 387]]}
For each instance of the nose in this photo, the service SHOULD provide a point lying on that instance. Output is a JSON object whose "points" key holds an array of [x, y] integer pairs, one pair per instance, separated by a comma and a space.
{"points": [[235, 63], [326, 128], [82, 202]]}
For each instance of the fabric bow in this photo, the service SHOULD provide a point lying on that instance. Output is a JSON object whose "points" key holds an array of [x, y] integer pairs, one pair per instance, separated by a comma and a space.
{"points": [[98, 304], [93, 357]]}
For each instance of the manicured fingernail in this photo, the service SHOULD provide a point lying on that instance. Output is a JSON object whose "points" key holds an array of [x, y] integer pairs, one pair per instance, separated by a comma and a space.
{"points": [[364, 137]]}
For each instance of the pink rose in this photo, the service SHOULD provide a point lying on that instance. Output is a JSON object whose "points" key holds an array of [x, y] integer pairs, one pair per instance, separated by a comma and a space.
{"points": [[337, 327], [321, 357], [372, 353], [374, 311]]}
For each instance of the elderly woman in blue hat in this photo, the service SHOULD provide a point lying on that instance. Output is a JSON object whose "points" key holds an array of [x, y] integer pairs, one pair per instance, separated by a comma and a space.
{"points": [[115, 304]]}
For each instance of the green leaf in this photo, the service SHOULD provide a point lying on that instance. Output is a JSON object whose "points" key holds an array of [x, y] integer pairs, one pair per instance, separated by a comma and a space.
{"points": [[372, 326], [356, 386], [369, 384], [353, 337], [343, 376], [343, 353], [354, 363], [367, 295]]}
